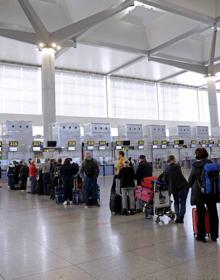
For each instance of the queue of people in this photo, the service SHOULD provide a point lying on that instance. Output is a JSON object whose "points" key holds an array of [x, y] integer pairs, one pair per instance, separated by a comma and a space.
{"points": [[178, 187]]}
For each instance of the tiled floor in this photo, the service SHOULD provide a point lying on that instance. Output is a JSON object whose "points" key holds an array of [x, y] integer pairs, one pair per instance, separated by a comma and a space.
{"points": [[40, 240]]}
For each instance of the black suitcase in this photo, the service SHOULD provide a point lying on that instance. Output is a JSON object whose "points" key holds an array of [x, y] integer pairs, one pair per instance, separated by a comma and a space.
{"points": [[115, 203]]}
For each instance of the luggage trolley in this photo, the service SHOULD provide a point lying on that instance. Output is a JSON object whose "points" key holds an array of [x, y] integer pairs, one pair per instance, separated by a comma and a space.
{"points": [[161, 202]]}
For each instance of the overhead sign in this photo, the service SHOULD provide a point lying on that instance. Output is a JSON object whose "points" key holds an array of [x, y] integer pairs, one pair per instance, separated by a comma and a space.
{"points": [[71, 143], [36, 143], [13, 143], [102, 143], [141, 142], [90, 143]]}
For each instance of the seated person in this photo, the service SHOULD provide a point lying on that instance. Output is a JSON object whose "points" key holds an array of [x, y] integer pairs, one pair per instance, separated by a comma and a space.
{"points": [[126, 176]]}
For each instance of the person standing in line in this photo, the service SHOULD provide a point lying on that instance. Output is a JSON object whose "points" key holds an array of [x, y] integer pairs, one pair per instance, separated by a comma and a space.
{"points": [[33, 176], [90, 171], [10, 175], [144, 169], [120, 162], [127, 182], [45, 167], [199, 199], [24, 173], [178, 187], [67, 173]]}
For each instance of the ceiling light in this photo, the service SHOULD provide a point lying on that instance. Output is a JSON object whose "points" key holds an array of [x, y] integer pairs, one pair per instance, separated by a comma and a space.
{"points": [[54, 45], [58, 48], [41, 45]]}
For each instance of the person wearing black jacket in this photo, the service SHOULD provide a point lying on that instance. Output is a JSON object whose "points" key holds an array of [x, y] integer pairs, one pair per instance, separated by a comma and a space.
{"points": [[178, 187], [127, 177], [24, 173], [144, 169], [200, 200], [67, 172]]}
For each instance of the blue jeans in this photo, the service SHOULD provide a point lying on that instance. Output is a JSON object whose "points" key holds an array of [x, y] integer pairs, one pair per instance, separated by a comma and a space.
{"points": [[180, 203], [90, 185], [33, 180]]}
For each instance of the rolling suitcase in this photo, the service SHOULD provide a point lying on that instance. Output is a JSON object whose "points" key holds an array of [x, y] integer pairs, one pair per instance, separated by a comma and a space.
{"points": [[115, 203], [195, 222]]}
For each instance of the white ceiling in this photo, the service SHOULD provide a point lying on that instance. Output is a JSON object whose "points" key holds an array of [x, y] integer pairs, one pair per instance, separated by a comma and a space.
{"points": [[115, 42]]}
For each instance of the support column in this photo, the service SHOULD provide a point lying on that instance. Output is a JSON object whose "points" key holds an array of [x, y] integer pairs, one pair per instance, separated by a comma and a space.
{"points": [[48, 91], [213, 105]]}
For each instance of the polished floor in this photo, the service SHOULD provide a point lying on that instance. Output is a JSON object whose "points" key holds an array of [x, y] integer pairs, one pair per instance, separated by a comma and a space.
{"points": [[40, 240]]}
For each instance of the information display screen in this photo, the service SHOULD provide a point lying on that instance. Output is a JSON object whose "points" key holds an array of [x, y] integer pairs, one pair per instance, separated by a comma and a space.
{"points": [[102, 148], [71, 148], [36, 149], [71, 143], [90, 148], [118, 147], [155, 147], [13, 149]]}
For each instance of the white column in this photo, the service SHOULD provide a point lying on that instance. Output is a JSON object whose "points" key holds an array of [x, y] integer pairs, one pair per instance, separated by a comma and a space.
{"points": [[48, 91], [213, 106]]}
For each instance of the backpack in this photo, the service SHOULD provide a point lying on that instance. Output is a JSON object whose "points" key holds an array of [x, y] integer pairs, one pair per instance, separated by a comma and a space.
{"points": [[209, 180], [90, 167]]}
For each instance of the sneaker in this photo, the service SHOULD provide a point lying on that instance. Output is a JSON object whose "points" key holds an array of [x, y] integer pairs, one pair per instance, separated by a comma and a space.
{"points": [[132, 212], [65, 203], [86, 207]]}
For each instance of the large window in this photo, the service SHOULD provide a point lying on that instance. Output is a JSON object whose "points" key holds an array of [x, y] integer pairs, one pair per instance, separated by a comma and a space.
{"points": [[178, 103], [20, 90], [132, 99], [80, 95], [203, 106]]}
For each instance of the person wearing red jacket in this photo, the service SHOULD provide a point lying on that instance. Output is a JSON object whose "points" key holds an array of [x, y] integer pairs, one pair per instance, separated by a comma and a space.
{"points": [[33, 176]]}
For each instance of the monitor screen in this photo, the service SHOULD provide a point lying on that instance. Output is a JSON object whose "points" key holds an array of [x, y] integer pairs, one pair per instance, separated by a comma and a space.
{"points": [[140, 147], [203, 145], [71, 148], [0, 149], [90, 148], [36, 149], [176, 146], [155, 146], [51, 144], [102, 148], [193, 145], [126, 143], [118, 147], [13, 149], [164, 146]]}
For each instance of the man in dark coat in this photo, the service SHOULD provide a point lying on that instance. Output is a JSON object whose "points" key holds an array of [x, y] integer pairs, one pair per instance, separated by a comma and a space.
{"points": [[144, 169], [178, 187], [199, 199]]}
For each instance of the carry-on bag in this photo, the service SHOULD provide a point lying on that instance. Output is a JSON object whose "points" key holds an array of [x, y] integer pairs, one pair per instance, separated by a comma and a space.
{"points": [[59, 196], [148, 182], [195, 222], [115, 203]]}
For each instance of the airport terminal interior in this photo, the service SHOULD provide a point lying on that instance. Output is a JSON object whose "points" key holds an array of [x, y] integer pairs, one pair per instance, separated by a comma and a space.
{"points": [[109, 139]]}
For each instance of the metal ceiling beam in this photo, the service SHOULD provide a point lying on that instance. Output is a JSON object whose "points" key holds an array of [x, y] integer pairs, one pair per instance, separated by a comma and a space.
{"points": [[178, 10], [129, 63], [27, 37], [34, 19], [171, 76], [76, 29], [179, 38], [186, 66], [95, 43]]}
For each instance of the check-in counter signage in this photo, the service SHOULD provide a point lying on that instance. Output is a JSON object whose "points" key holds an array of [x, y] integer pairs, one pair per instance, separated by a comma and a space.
{"points": [[72, 145], [13, 146], [141, 145], [90, 145]]}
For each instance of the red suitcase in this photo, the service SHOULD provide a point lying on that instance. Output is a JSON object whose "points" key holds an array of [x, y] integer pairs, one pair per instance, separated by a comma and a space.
{"points": [[195, 222], [147, 182]]}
